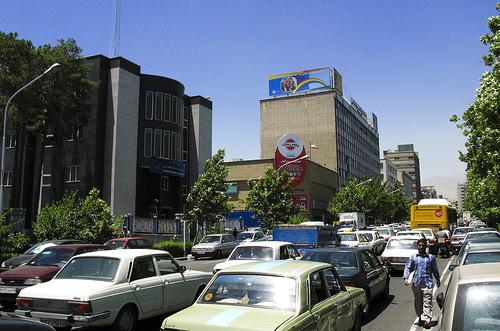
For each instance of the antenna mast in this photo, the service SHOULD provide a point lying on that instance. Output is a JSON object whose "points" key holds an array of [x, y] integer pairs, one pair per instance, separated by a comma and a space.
{"points": [[116, 39]]}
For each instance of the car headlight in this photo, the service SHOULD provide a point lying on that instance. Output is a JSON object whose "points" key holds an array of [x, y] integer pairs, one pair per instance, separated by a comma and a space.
{"points": [[32, 281], [3, 265], [1, 281]]}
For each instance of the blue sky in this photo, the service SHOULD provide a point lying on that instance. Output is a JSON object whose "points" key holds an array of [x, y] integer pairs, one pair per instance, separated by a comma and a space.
{"points": [[413, 63]]}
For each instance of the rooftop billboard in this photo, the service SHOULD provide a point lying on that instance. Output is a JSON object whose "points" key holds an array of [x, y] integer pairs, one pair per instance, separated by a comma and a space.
{"points": [[300, 81]]}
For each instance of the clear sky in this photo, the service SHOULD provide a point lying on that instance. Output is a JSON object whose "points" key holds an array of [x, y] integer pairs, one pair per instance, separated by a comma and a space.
{"points": [[413, 63]]}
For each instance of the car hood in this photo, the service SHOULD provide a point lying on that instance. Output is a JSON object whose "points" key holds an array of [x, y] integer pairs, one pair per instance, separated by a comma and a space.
{"points": [[28, 271], [65, 289], [399, 252], [18, 260], [205, 245], [211, 317], [227, 264]]}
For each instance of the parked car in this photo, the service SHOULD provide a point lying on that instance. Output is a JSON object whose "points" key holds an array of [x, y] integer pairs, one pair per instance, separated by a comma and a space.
{"points": [[252, 252], [214, 245], [21, 259], [247, 236], [431, 239], [353, 239], [472, 299], [477, 251], [481, 235], [41, 268], [397, 252], [358, 267], [12, 322], [275, 295], [458, 236], [114, 289], [386, 232], [132, 242], [376, 240]]}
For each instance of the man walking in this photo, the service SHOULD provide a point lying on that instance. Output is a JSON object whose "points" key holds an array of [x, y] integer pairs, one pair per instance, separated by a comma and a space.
{"points": [[424, 265]]}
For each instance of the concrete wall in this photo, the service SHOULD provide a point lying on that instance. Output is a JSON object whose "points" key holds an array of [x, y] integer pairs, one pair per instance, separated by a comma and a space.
{"points": [[202, 130]]}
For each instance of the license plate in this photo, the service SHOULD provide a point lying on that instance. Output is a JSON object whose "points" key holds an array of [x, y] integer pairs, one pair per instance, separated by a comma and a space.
{"points": [[8, 290], [53, 322]]}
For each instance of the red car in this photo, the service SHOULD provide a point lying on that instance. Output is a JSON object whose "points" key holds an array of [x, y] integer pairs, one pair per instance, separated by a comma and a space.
{"points": [[123, 243], [41, 268]]}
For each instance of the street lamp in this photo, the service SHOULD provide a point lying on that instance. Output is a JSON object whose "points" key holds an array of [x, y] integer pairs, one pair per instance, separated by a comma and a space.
{"points": [[364, 182], [292, 161], [2, 168]]}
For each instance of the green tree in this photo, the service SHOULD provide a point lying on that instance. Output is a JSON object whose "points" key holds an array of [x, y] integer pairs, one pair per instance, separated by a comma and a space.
{"points": [[271, 198], [72, 217], [208, 197], [480, 124]]}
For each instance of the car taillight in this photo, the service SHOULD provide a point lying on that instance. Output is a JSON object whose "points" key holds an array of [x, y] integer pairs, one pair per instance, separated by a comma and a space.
{"points": [[386, 259], [79, 306], [24, 302], [432, 241], [453, 239]]}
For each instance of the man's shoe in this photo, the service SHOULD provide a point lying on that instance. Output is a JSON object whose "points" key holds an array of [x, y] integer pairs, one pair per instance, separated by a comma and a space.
{"points": [[420, 322], [427, 325]]}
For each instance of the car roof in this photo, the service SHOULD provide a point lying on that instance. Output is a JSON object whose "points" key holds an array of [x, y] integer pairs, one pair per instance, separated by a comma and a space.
{"points": [[72, 246], [265, 243], [483, 245], [61, 241], [337, 249], [252, 232], [286, 268], [481, 232], [127, 239], [404, 238], [481, 272], [124, 253]]}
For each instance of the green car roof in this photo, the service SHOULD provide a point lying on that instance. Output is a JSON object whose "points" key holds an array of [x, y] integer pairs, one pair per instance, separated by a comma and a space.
{"points": [[285, 268]]}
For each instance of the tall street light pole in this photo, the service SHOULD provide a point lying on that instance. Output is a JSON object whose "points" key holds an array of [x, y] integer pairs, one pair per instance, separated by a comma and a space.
{"points": [[2, 167], [292, 161]]}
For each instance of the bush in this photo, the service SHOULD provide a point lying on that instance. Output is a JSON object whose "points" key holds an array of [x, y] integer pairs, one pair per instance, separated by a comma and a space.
{"points": [[174, 247]]}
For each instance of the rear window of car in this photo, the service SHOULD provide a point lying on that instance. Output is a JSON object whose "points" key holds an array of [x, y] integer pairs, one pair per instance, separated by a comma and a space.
{"points": [[115, 244], [252, 253], [347, 237], [210, 239], [477, 307], [339, 260], [473, 235], [402, 244], [482, 257], [52, 257], [462, 231], [368, 235], [94, 268]]}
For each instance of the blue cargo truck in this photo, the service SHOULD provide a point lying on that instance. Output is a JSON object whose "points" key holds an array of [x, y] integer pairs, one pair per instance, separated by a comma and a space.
{"points": [[306, 237]]}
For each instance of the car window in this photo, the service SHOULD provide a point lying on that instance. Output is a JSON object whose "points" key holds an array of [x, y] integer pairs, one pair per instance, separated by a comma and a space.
{"points": [[142, 244], [317, 288], [482, 257], [375, 260], [366, 261], [477, 307], [340, 260], [331, 280], [132, 244], [166, 265], [252, 253], [143, 268], [284, 254], [52, 257], [94, 268], [292, 251], [363, 238], [369, 236]]}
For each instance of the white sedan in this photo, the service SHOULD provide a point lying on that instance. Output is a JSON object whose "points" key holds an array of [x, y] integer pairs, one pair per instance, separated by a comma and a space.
{"points": [[354, 239], [376, 240], [113, 288], [258, 252], [397, 252]]}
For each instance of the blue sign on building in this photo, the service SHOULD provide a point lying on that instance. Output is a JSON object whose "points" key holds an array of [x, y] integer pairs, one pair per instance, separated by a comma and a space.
{"points": [[168, 167]]}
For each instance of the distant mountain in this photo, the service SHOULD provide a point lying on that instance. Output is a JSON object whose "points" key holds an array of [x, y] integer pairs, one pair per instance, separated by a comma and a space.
{"points": [[447, 186]]}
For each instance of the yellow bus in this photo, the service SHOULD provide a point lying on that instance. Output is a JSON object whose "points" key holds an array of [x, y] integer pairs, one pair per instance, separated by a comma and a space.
{"points": [[433, 213]]}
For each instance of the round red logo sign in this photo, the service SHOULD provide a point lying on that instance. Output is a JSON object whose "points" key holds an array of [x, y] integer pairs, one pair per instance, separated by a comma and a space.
{"points": [[438, 213]]}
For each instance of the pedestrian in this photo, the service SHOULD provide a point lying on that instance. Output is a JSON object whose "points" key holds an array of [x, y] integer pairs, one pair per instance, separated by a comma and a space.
{"points": [[235, 232], [424, 266]]}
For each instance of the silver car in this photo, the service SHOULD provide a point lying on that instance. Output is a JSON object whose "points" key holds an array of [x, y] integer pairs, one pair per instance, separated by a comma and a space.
{"points": [[475, 252], [214, 245]]}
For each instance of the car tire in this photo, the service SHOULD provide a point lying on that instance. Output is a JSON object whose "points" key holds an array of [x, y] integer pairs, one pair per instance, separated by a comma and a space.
{"points": [[195, 257], [125, 320], [357, 321], [218, 254]]}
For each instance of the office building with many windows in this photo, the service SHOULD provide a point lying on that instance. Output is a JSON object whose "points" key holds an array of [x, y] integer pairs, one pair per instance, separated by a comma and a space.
{"points": [[406, 159]]}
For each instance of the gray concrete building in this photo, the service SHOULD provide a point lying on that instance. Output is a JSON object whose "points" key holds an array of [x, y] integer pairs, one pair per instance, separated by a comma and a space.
{"points": [[405, 158], [406, 181], [389, 173], [460, 197]]}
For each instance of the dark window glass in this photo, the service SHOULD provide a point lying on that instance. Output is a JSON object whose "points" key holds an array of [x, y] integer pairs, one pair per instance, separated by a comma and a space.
{"points": [[158, 106], [166, 108], [148, 142], [149, 105]]}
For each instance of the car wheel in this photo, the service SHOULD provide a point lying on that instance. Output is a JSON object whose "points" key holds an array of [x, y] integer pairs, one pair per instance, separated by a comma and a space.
{"points": [[357, 322], [218, 254], [125, 320], [195, 257]]}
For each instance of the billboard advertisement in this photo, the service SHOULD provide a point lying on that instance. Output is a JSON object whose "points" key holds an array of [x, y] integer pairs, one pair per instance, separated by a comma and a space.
{"points": [[290, 156], [301, 81]]}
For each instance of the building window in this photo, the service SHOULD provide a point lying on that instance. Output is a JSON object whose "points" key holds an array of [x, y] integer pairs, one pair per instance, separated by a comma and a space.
{"points": [[166, 108], [164, 183], [49, 140], [72, 174], [180, 111], [173, 144], [148, 142], [166, 144], [186, 117], [11, 140], [47, 180], [184, 190], [158, 106], [157, 149], [7, 178], [149, 105], [174, 109], [77, 133]]}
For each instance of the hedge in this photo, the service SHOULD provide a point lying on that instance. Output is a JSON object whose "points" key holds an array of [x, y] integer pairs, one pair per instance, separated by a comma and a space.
{"points": [[174, 247]]}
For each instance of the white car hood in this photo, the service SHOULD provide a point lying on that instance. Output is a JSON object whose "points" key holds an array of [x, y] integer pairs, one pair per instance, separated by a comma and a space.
{"points": [[64, 289], [399, 252], [227, 264], [206, 245]]}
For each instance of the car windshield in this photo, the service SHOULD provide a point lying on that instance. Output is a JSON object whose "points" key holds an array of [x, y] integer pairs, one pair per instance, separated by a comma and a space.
{"points": [[473, 235], [52, 257], [383, 232], [368, 235], [38, 248], [252, 253], [477, 307], [262, 291], [115, 244], [340, 260], [482, 257], [244, 235], [462, 231], [402, 244], [347, 237], [407, 233], [347, 223], [210, 239], [94, 268]]}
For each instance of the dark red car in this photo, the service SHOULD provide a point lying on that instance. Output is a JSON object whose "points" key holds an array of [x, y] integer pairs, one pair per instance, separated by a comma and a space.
{"points": [[123, 243], [41, 268]]}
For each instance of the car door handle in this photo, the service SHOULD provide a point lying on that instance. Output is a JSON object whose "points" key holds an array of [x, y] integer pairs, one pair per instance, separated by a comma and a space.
{"points": [[165, 282], [136, 287], [317, 316]]}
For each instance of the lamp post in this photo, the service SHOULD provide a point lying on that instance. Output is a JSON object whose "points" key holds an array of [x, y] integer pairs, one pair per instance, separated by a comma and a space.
{"points": [[364, 182], [293, 161], [2, 167]]}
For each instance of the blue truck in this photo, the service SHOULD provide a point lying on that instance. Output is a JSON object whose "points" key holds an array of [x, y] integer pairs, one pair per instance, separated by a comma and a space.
{"points": [[306, 237]]}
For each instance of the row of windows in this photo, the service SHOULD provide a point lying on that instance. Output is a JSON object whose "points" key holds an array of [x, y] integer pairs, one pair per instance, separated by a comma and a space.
{"points": [[164, 107], [71, 175], [163, 144], [76, 134]]}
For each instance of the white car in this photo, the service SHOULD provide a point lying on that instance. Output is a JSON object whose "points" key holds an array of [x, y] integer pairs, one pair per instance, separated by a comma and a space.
{"points": [[475, 235], [397, 252], [376, 240], [353, 239], [214, 245], [112, 288], [411, 234], [259, 251], [247, 236]]}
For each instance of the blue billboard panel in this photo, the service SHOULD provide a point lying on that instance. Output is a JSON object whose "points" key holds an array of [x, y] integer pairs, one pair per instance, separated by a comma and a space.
{"points": [[168, 167], [301, 81]]}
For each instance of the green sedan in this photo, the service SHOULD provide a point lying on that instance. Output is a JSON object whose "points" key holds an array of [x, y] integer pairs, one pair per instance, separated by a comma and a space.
{"points": [[275, 295]]}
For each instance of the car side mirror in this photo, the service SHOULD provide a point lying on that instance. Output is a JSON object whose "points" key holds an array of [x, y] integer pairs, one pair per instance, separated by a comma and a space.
{"points": [[182, 268], [452, 267], [440, 300]]}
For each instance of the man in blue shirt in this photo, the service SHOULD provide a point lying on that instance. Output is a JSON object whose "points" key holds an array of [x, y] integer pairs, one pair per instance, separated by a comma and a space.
{"points": [[424, 265]]}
